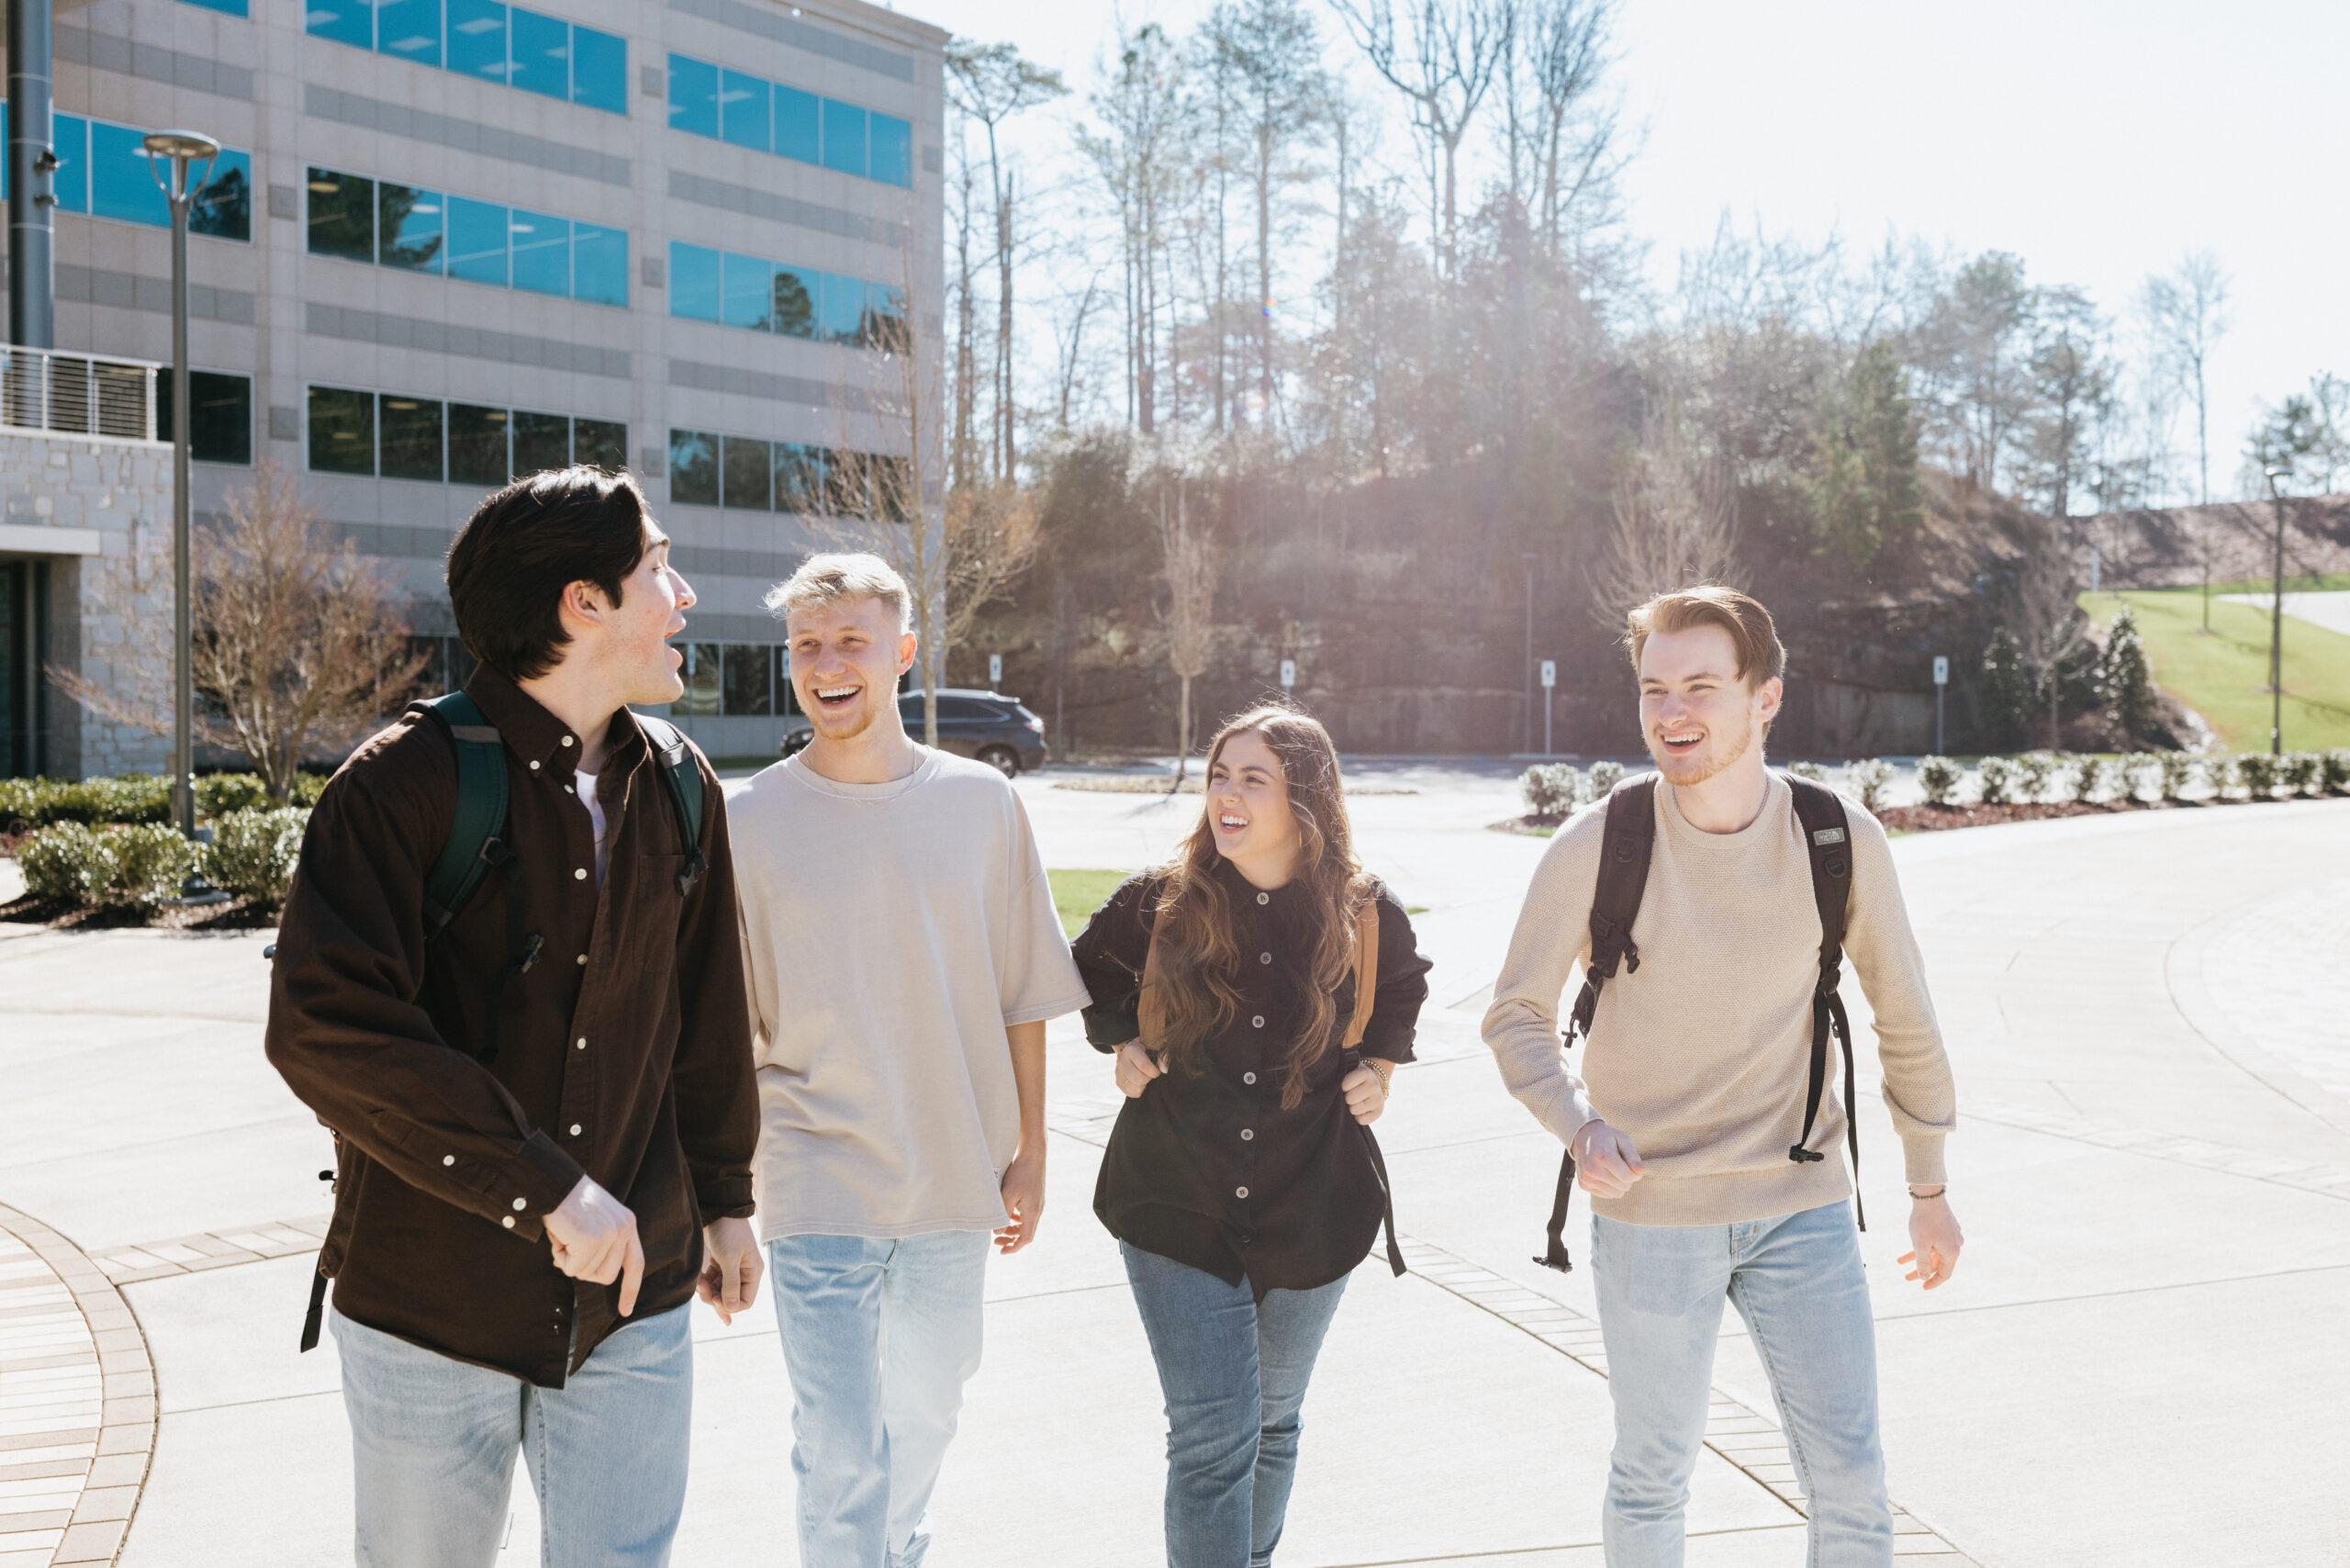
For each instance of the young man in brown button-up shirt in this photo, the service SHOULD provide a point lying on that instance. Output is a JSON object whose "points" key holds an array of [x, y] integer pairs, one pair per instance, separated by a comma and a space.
{"points": [[545, 1113]]}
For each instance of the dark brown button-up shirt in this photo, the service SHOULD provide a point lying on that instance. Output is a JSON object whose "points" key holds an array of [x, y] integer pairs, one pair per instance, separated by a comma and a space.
{"points": [[469, 1099]]}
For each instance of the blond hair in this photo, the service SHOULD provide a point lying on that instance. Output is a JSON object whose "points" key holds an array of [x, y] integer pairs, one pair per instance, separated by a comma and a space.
{"points": [[838, 575], [1760, 656]]}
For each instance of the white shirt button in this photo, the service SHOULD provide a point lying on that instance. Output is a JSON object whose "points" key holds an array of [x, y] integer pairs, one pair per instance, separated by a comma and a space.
{"points": [[1248, 1078], [1264, 898], [566, 788], [448, 1160], [1240, 1192], [1248, 1133], [534, 765], [520, 1205], [507, 1222], [581, 875], [582, 963], [574, 1129], [583, 1043], [1257, 1022], [566, 740], [1264, 958]]}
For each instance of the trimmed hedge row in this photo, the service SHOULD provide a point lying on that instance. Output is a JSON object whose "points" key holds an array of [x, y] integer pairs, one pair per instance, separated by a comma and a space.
{"points": [[143, 864], [27, 803]]}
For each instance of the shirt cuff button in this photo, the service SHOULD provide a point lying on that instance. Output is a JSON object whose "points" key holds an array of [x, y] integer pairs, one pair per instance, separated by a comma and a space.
{"points": [[448, 1160], [574, 1129], [507, 1222], [520, 1205]]}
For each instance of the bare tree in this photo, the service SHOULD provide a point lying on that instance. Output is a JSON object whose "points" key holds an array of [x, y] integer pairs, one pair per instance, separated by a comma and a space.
{"points": [[1133, 147], [2049, 626], [297, 645], [1573, 137], [1274, 46], [2187, 313], [1674, 523], [1188, 567], [991, 539]]}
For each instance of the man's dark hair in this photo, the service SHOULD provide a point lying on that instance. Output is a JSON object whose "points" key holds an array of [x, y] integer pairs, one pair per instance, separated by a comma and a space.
{"points": [[524, 546]]}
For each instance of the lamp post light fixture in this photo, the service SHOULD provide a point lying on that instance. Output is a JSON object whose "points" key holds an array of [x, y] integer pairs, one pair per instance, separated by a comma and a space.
{"points": [[2277, 473], [181, 149]]}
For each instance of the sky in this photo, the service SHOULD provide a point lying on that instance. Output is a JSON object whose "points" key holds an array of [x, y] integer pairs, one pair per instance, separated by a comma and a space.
{"points": [[2099, 140]]}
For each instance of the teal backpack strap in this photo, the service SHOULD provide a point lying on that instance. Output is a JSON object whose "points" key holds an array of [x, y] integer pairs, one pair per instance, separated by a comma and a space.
{"points": [[481, 808], [683, 779]]}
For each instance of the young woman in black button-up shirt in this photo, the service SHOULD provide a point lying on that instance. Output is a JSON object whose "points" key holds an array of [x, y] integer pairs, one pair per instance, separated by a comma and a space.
{"points": [[1241, 1179]]}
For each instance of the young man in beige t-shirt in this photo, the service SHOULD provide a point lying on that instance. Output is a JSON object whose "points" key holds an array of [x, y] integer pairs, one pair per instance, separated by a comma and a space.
{"points": [[1698, 1062], [902, 954]]}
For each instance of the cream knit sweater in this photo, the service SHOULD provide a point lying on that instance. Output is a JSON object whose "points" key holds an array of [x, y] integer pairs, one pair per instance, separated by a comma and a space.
{"points": [[1701, 1058]]}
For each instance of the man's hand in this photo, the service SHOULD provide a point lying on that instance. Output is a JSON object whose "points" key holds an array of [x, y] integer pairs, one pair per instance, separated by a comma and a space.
{"points": [[1605, 1162], [594, 1236], [1023, 1199], [1366, 1094], [731, 1267], [1134, 1069], [1934, 1241]]}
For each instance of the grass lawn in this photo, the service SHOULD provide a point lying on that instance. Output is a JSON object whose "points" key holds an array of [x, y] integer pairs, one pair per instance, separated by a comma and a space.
{"points": [[2223, 674], [1077, 894]]}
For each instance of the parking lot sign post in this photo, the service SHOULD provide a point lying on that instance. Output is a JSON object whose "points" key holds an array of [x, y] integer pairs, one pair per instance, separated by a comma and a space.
{"points": [[1941, 683], [995, 671], [1550, 680]]}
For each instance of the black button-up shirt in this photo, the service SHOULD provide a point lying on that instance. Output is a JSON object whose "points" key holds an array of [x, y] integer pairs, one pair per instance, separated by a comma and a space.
{"points": [[469, 1100], [1206, 1168]]}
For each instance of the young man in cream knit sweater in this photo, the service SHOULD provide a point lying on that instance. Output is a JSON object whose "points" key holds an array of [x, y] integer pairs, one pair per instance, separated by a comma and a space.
{"points": [[1694, 1090]]}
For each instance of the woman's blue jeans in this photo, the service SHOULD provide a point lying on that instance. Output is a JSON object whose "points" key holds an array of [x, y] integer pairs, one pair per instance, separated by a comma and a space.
{"points": [[1234, 1371]]}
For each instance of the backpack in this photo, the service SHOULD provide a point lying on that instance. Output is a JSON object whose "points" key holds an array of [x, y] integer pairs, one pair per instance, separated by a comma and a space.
{"points": [[1150, 1011], [1623, 852], [476, 845]]}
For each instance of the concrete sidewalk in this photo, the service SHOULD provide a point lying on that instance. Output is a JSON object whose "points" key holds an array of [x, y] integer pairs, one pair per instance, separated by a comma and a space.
{"points": [[2140, 1363]]}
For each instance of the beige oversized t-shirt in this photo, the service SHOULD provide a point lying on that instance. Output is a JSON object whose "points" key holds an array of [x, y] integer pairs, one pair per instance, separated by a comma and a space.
{"points": [[890, 934]]}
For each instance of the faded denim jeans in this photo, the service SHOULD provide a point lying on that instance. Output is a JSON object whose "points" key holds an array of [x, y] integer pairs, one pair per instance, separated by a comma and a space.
{"points": [[434, 1442], [1796, 1281]]}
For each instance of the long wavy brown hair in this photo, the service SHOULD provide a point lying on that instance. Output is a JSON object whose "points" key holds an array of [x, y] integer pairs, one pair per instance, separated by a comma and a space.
{"points": [[1199, 952]]}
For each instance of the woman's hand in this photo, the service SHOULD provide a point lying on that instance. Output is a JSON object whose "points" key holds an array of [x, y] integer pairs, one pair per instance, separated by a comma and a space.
{"points": [[1366, 1093], [1136, 1069]]}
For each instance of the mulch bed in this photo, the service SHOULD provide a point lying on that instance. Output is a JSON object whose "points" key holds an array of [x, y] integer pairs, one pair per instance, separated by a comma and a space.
{"points": [[237, 915], [1933, 819]]}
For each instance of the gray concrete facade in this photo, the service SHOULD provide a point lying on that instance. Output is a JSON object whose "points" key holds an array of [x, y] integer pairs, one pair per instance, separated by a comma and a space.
{"points": [[272, 310]]}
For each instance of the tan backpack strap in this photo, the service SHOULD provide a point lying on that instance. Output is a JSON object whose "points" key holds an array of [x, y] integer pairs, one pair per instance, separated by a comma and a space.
{"points": [[1366, 972], [1150, 1004]]}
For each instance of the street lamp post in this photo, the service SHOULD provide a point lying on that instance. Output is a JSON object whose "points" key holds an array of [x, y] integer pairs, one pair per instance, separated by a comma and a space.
{"points": [[1529, 557], [2276, 473], [180, 149]]}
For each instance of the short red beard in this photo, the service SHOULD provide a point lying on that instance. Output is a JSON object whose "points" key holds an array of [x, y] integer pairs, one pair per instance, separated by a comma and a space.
{"points": [[1709, 761]]}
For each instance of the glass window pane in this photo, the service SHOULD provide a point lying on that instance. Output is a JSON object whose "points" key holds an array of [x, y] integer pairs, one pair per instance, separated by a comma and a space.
{"points": [[845, 490], [892, 488], [746, 687], [541, 253], [884, 319], [477, 446], [343, 215], [793, 301], [410, 436], [120, 186], [600, 265], [693, 282], [743, 299], [599, 444], [748, 482], [700, 672], [478, 240], [220, 418], [541, 50], [224, 207], [343, 430], [693, 467], [540, 442], [408, 228], [743, 109], [478, 39], [409, 29], [786, 699], [797, 130], [598, 70], [693, 96], [73, 178], [892, 151], [798, 478], [840, 313], [843, 137], [345, 21]]}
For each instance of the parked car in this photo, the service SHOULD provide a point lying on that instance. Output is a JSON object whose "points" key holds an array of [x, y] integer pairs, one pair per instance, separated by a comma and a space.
{"points": [[988, 725]]}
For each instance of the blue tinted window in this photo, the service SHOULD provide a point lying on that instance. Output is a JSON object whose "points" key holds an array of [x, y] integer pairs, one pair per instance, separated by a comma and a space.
{"points": [[892, 151], [742, 295], [541, 253], [843, 137], [798, 129], [224, 209], [693, 467], [600, 265], [478, 39], [343, 215], [478, 240], [841, 310], [408, 228], [71, 136], [743, 109], [409, 29], [884, 319], [794, 296], [693, 95], [693, 282], [598, 70], [345, 21], [233, 7], [541, 50], [121, 185]]}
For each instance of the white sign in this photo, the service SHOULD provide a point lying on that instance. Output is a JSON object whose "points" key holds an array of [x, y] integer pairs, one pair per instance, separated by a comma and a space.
{"points": [[1550, 674], [1942, 669], [995, 669], [1289, 675]]}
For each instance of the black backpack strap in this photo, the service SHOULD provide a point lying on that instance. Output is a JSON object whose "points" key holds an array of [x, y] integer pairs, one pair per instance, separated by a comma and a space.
{"points": [[473, 844], [1828, 839], [1624, 848], [682, 779]]}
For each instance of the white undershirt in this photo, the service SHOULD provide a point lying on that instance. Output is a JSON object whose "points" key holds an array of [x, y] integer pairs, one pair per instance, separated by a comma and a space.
{"points": [[587, 786]]}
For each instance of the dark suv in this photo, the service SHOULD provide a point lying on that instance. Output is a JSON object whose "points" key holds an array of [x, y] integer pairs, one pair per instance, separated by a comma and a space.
{"points": [[988, 725]]}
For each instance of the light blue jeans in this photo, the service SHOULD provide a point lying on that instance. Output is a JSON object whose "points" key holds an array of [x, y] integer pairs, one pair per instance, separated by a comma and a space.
{"points": [[879, 1337], [434, 1442], [1796, 1280], [1234, 1371]]}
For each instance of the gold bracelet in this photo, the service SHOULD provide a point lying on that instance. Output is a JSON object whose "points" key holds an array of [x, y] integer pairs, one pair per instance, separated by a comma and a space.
{"points": [[1384, 1071]]}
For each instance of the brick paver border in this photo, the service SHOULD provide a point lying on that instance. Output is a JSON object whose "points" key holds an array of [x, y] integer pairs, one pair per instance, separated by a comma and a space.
{"points": [[209, 1249], [77, 1402]]}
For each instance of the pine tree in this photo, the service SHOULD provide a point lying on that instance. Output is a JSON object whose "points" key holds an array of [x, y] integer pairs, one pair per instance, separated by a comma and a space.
{"points": [[2123, 679]]}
